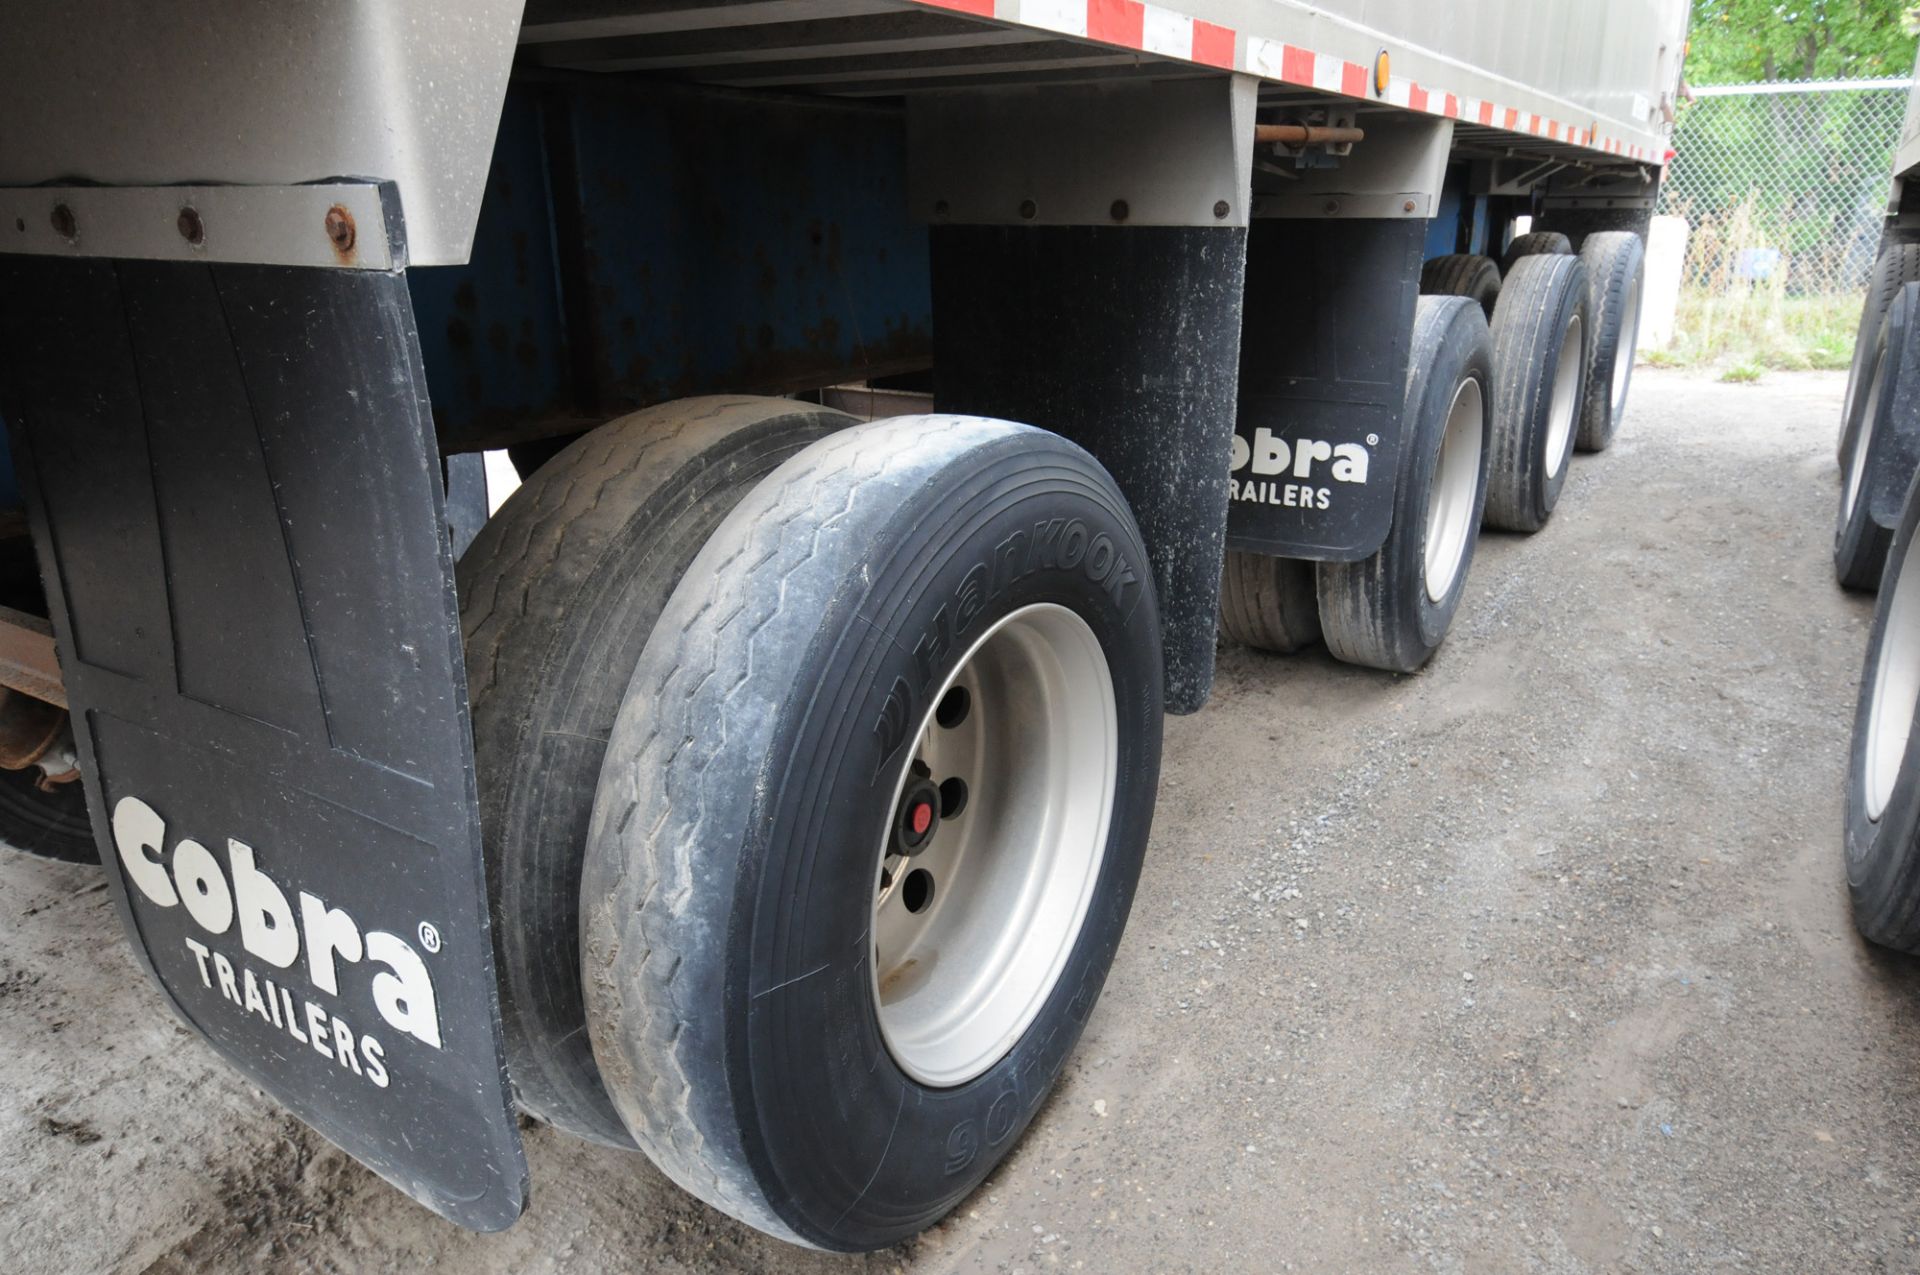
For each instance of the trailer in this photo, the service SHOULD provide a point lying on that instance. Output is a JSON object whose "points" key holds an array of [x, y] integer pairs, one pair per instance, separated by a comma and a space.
{"points": [[905, 397], [1879, 457]]}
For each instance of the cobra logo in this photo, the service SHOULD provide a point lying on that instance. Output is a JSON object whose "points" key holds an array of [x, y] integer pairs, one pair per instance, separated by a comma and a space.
{"points": [[1270, 455], [217, 899]]}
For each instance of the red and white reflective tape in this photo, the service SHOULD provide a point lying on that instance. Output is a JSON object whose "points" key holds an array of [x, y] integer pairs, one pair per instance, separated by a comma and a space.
{"points": [[1151, 28]]}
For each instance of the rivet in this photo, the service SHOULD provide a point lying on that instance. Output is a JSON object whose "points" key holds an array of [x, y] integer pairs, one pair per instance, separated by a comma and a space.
{"points": [[340, 229]]}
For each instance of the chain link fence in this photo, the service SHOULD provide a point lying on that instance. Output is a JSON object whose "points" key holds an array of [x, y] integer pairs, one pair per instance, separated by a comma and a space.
{"points": [[1783, 187], [1783, 184]]}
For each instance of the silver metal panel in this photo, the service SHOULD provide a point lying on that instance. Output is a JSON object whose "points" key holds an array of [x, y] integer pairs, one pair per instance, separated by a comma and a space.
{"points": [[1396, 173], [125, 93], [1907, 158], [330, 224], [1158, 153]]}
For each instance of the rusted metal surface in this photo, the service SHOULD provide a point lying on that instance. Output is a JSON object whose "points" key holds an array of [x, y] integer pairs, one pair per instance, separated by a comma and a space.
{"points": [[1308, 134], [27, 660], [29, 729], [340, 230], [871, 404]]}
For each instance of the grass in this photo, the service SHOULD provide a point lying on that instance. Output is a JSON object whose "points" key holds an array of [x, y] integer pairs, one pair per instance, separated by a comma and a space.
{"points": [[1760, 329]]}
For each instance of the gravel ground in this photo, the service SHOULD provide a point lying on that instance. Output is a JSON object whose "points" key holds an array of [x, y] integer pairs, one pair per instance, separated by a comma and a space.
{"points": [[1536, 961]]}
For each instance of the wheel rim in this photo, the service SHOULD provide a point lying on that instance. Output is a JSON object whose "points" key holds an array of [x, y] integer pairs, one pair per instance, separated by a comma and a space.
{"points": [[1455, 480], [1862, 440], [1896, 688], [1566, 396], [973, 925], [1623, 352]]}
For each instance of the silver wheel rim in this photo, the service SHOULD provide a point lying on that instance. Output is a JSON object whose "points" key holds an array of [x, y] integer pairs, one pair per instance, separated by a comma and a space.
{"points": [[959, 976], [1566, 396], [1896, 689], [1623, 352], [1455, 479], [1862, 439]]}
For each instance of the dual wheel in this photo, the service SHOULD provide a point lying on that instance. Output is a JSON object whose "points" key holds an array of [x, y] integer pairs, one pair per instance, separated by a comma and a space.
{"points": [[817, 761], [1879, 437], [1391, 609], [1559, 357]]}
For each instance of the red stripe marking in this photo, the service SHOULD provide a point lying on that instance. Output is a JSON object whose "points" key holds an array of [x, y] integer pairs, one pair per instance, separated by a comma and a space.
{"points": [[1353, 79], [1486, 112], [1416, 98], [978, 8], [1553, 129], [1513, 118], [1296, 65], [1212, 45], [1453, 107], [1119, 22]]}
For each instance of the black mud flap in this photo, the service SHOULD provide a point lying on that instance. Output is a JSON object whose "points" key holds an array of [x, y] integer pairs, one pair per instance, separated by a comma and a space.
{"points": [[235, 495], [1323, 375]]}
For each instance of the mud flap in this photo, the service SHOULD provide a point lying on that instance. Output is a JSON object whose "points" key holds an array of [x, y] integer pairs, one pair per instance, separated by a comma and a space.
{"points": [[236, 499], [1323, 374]]}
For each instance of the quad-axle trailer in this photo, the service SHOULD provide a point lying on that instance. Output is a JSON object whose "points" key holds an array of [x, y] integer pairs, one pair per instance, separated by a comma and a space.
{"points": [[1873, 550], [763, 786]]}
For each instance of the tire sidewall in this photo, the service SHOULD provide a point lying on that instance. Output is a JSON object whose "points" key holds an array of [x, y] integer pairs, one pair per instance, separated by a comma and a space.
{"points": [[1463, 351], [1880, 854], [1574, 300], [836, 1134], [1860, 538], [1611, 274]]}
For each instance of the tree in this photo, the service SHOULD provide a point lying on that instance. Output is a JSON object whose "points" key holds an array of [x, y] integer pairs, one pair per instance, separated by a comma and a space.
{"points": [[1739, 41]]}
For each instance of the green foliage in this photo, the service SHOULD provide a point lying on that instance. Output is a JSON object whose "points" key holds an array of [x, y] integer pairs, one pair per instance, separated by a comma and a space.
{"points": [[1742, 373], [1758, 328], [1739, 41]]}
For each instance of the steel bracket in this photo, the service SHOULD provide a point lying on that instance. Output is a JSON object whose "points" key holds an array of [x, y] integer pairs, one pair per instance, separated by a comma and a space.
{"points": [[1156, 153], [1396, 173]]}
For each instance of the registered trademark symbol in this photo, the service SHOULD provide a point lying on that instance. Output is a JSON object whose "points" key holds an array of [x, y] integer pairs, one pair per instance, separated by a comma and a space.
{"points": [[429, 937], [1373, 440]]}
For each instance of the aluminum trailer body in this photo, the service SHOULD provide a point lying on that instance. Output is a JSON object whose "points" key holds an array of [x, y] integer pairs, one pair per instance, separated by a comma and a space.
{"points": [[269, 275]]}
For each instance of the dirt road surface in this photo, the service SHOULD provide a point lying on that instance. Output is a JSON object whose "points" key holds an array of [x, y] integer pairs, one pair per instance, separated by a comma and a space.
{"points": [[1539, 960]]}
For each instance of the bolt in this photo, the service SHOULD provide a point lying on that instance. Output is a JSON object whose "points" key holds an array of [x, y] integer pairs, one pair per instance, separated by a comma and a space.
{"points": [[1027, 209], [940, 208], [1407, 207], [1333, 206], [63, 223], [1119, 210], [1220, 209], [190, 228], [340, 229]]}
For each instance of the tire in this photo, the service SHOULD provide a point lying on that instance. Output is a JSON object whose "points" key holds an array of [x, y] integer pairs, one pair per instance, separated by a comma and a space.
{"points": [[1462, 275], [558, 595], [1540, 366], [1882, 832], [1881, 458], [1392, 610], [1538, 243], [731, 980], [1897, 264], [47, 825], [1616, 263], [1268, 603]]}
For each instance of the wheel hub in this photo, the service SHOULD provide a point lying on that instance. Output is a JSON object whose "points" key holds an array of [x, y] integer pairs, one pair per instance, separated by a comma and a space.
{"points": [[994, 845]]}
